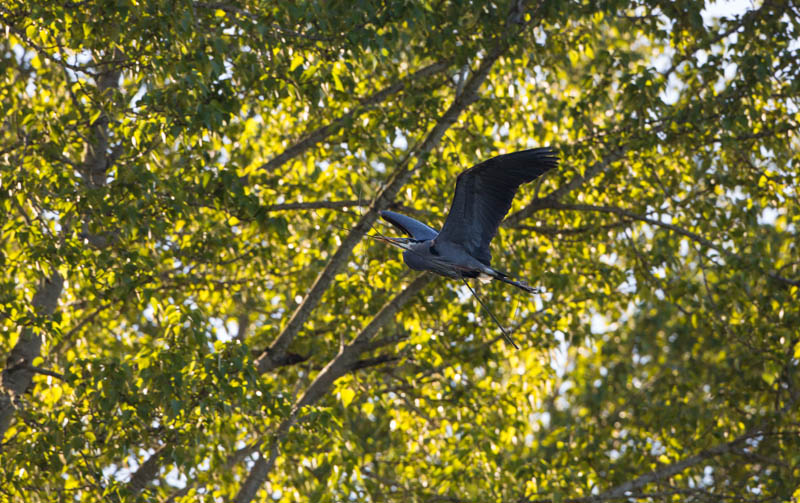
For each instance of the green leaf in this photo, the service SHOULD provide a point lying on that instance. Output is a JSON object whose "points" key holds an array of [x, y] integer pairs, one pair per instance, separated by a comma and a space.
{"points": [[346, 395]]}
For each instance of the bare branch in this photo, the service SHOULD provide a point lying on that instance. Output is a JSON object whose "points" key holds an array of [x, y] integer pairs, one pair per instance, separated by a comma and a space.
{"points": [[632, 488], [373, 362], [595, 169], [674, 228], [316, 136], [635, 216], [40, 370], [345, 361], [316, 205], [147, 470], [554, 231], [667, 471]]}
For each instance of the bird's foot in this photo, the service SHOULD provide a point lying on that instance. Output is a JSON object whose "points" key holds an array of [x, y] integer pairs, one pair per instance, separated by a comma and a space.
{"points": [[528, 288], [532, 289]]}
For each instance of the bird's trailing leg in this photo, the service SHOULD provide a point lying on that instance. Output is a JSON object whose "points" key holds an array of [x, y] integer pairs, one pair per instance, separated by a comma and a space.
{"points": [[519, 284], [505, 334]]}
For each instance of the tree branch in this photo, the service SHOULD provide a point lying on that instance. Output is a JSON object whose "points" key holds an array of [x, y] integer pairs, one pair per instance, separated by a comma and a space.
{"points": [[348, 355], [148, 470], [316, 136], [18, 374], [595, 169], [373, 362], [274, 354], [316, 205], [635, 216], [232, 461], [553, 231], [674, 228], [632, 488], [40, 370], [345, 361], [672, 469], [20, 33]]}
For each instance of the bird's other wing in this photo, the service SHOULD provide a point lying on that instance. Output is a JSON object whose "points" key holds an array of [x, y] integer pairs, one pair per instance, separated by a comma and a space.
{"points": [[483, 197], [413, 228]]}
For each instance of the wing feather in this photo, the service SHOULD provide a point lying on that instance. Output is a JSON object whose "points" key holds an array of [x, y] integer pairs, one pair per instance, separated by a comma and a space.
{"points": [[484, 194]]}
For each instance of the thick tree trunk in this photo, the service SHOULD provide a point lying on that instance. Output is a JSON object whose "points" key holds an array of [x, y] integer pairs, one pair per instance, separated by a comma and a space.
{"points": [[18, 374]]}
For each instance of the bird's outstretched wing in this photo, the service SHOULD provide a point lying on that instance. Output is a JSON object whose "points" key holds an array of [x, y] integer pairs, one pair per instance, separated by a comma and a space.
{"points": [[483, 197], [413, 228]]}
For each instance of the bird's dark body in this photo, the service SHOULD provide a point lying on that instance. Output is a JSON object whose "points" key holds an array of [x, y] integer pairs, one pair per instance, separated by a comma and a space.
{"points": [[446, 259], [482, 198]]}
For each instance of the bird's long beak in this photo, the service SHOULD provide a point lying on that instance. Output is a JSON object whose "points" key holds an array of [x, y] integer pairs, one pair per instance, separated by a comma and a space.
{"points": [[403, 243]]}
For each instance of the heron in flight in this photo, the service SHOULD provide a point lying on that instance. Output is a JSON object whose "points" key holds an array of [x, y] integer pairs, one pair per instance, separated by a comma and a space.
{"points": [[483, 197]]}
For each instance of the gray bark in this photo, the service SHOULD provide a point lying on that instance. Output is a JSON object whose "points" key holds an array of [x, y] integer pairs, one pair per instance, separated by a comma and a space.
{"points": [[18, 373]]}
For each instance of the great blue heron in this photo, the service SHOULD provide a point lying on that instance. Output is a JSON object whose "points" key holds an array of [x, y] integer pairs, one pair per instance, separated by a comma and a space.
{"points": [[483, 197]]}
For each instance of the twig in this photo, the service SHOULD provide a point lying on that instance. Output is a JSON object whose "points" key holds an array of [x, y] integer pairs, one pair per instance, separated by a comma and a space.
{"points": [[40, 370], [316, 205]]}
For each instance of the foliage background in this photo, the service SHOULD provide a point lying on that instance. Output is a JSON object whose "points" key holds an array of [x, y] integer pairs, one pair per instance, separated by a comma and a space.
{"points": [[190, 309]]}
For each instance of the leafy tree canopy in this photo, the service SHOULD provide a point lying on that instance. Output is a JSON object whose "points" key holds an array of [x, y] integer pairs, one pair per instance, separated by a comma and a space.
{"points": [[191, 310]]}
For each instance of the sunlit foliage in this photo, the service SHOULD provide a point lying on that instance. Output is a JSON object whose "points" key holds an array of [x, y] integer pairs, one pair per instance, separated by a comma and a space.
{"points": [[191, 311]]}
